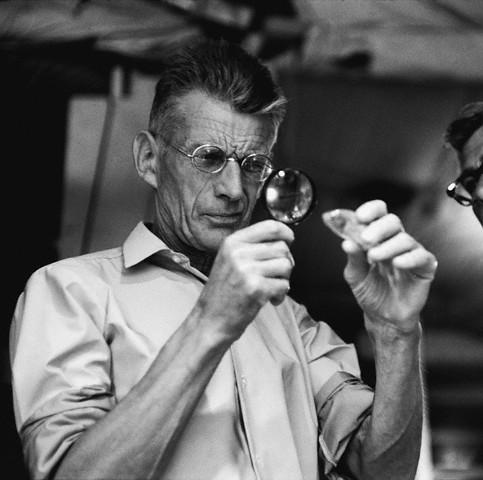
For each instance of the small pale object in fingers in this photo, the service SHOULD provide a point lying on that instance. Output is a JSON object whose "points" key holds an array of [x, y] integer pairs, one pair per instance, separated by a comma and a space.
{"points": [[344, 223]]}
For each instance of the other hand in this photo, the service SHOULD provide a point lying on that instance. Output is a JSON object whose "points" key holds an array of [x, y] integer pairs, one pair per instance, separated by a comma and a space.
{"points": [[391, 280]]}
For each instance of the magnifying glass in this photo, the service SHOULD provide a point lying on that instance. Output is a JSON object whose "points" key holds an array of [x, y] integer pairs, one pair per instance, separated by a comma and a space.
{"points": [[289, 195]]}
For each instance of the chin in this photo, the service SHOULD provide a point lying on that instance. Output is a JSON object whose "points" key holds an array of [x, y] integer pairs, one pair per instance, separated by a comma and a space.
{"points": [[208, 234], [211, 242]]}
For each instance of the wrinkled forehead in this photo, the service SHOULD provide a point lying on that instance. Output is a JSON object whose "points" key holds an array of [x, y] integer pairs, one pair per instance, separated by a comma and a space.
{"points": [[204, 119], [472, 152]]}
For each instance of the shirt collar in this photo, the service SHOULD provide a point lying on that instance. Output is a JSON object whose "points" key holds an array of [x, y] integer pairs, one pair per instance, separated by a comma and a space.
{"points": [[142, 243]]}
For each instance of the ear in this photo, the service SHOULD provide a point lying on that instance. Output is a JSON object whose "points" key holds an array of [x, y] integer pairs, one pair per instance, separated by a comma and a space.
{"points": [[145, 153]]}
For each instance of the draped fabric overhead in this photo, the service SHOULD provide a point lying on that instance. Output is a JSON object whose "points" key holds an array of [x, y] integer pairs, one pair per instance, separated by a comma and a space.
{"points": [[413, 39], [129, 27], [390, 38]]}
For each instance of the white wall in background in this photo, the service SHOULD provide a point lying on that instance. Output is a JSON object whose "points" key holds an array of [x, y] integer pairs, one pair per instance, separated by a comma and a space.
{"points": [[123, 199]]}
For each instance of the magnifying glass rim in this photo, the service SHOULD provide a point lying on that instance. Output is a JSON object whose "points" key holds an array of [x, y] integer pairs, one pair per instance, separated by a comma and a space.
{"points": [[312, 203]]}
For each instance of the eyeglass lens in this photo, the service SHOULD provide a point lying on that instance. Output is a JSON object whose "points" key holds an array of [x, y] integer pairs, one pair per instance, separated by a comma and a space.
{"points": [[470, 180], [209, 158]]}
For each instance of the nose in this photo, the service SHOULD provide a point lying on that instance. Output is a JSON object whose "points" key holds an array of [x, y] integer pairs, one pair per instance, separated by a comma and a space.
{"points": [[229, 182]]}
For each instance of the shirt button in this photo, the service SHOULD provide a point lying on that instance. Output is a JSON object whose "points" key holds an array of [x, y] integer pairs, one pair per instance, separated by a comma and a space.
{"points": [[179, 259], [244, 381]]}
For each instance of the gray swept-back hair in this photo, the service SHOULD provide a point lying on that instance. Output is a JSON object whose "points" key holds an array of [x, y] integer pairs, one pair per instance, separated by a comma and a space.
{"points": [[222, 70]]}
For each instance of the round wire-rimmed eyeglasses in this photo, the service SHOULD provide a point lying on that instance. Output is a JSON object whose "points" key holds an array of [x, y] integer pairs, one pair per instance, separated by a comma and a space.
{"points": [[463, 187], [210, 158]]}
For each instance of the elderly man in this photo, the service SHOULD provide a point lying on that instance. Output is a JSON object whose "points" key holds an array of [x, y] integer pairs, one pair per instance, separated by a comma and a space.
{"points": [[179, 355], [465, 135]]}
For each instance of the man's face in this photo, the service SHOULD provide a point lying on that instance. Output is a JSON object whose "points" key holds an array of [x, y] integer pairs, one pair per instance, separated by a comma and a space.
{"points": [[471, 157], [201, 209]]}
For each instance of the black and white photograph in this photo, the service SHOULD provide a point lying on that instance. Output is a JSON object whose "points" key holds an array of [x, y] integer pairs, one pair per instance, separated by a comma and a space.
{"points": [[244, 239]]}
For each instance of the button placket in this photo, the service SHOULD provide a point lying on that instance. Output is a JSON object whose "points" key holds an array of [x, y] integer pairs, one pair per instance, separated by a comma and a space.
{"points": [[243, 391]]}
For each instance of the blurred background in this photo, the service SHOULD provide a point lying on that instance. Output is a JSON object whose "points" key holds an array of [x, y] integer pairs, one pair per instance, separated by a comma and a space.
{"points": [[371, 84]]}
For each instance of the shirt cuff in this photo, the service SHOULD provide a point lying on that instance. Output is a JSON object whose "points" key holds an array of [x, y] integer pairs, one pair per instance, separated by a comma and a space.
{"points": [[343, 403], [51, 431]]}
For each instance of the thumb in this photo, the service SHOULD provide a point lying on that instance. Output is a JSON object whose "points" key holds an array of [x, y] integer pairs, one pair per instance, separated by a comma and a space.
{"points": [[357, 266]]}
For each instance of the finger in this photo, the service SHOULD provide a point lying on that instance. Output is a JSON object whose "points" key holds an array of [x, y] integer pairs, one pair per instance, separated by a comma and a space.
{"points": [[392, 247], [280, 289], [265, 231], [370, 211], [352, 248], [269, 250], [274, 268], [357, 266], [419, 262], [381, 229], [277, 300]]}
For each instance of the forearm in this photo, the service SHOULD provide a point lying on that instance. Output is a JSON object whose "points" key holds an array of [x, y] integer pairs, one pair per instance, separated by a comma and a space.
{"points": [[135, 439], [388, 445]]}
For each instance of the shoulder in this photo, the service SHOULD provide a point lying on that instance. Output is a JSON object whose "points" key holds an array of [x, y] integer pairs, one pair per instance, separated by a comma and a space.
{"points": [[68, 287], [92, 266], [81, 277]]}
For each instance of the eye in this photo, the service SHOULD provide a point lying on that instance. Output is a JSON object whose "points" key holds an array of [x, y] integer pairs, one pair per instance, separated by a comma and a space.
{"points": [[258, 164], [209, 158]]}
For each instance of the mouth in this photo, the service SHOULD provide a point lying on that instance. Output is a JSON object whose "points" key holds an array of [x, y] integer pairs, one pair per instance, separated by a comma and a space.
{"points": [[225, 219]]}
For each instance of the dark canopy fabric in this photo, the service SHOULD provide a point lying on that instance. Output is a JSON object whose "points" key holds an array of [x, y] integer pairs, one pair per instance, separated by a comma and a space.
{"points": [[404, 39], [126, 26], [390, 38]]}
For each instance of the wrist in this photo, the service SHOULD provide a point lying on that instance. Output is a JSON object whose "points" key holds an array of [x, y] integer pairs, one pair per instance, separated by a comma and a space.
{"points": [[397, 354], [210, 330], [391, 333]]}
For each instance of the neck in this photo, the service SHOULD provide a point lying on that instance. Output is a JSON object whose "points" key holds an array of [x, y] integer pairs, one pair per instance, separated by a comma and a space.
{"points": [[200, 260]]}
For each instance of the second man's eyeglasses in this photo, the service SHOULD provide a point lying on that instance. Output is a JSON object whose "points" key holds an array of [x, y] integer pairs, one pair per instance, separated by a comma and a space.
{"points": [[463, 187]]}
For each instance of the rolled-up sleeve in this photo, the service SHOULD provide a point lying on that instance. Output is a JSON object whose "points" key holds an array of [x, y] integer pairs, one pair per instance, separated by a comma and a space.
{"points": [[60, 364], [342, 399]]}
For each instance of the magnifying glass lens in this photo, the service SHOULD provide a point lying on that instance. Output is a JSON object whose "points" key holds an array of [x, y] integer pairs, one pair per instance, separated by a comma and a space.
{"points": [[289, 195]]}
